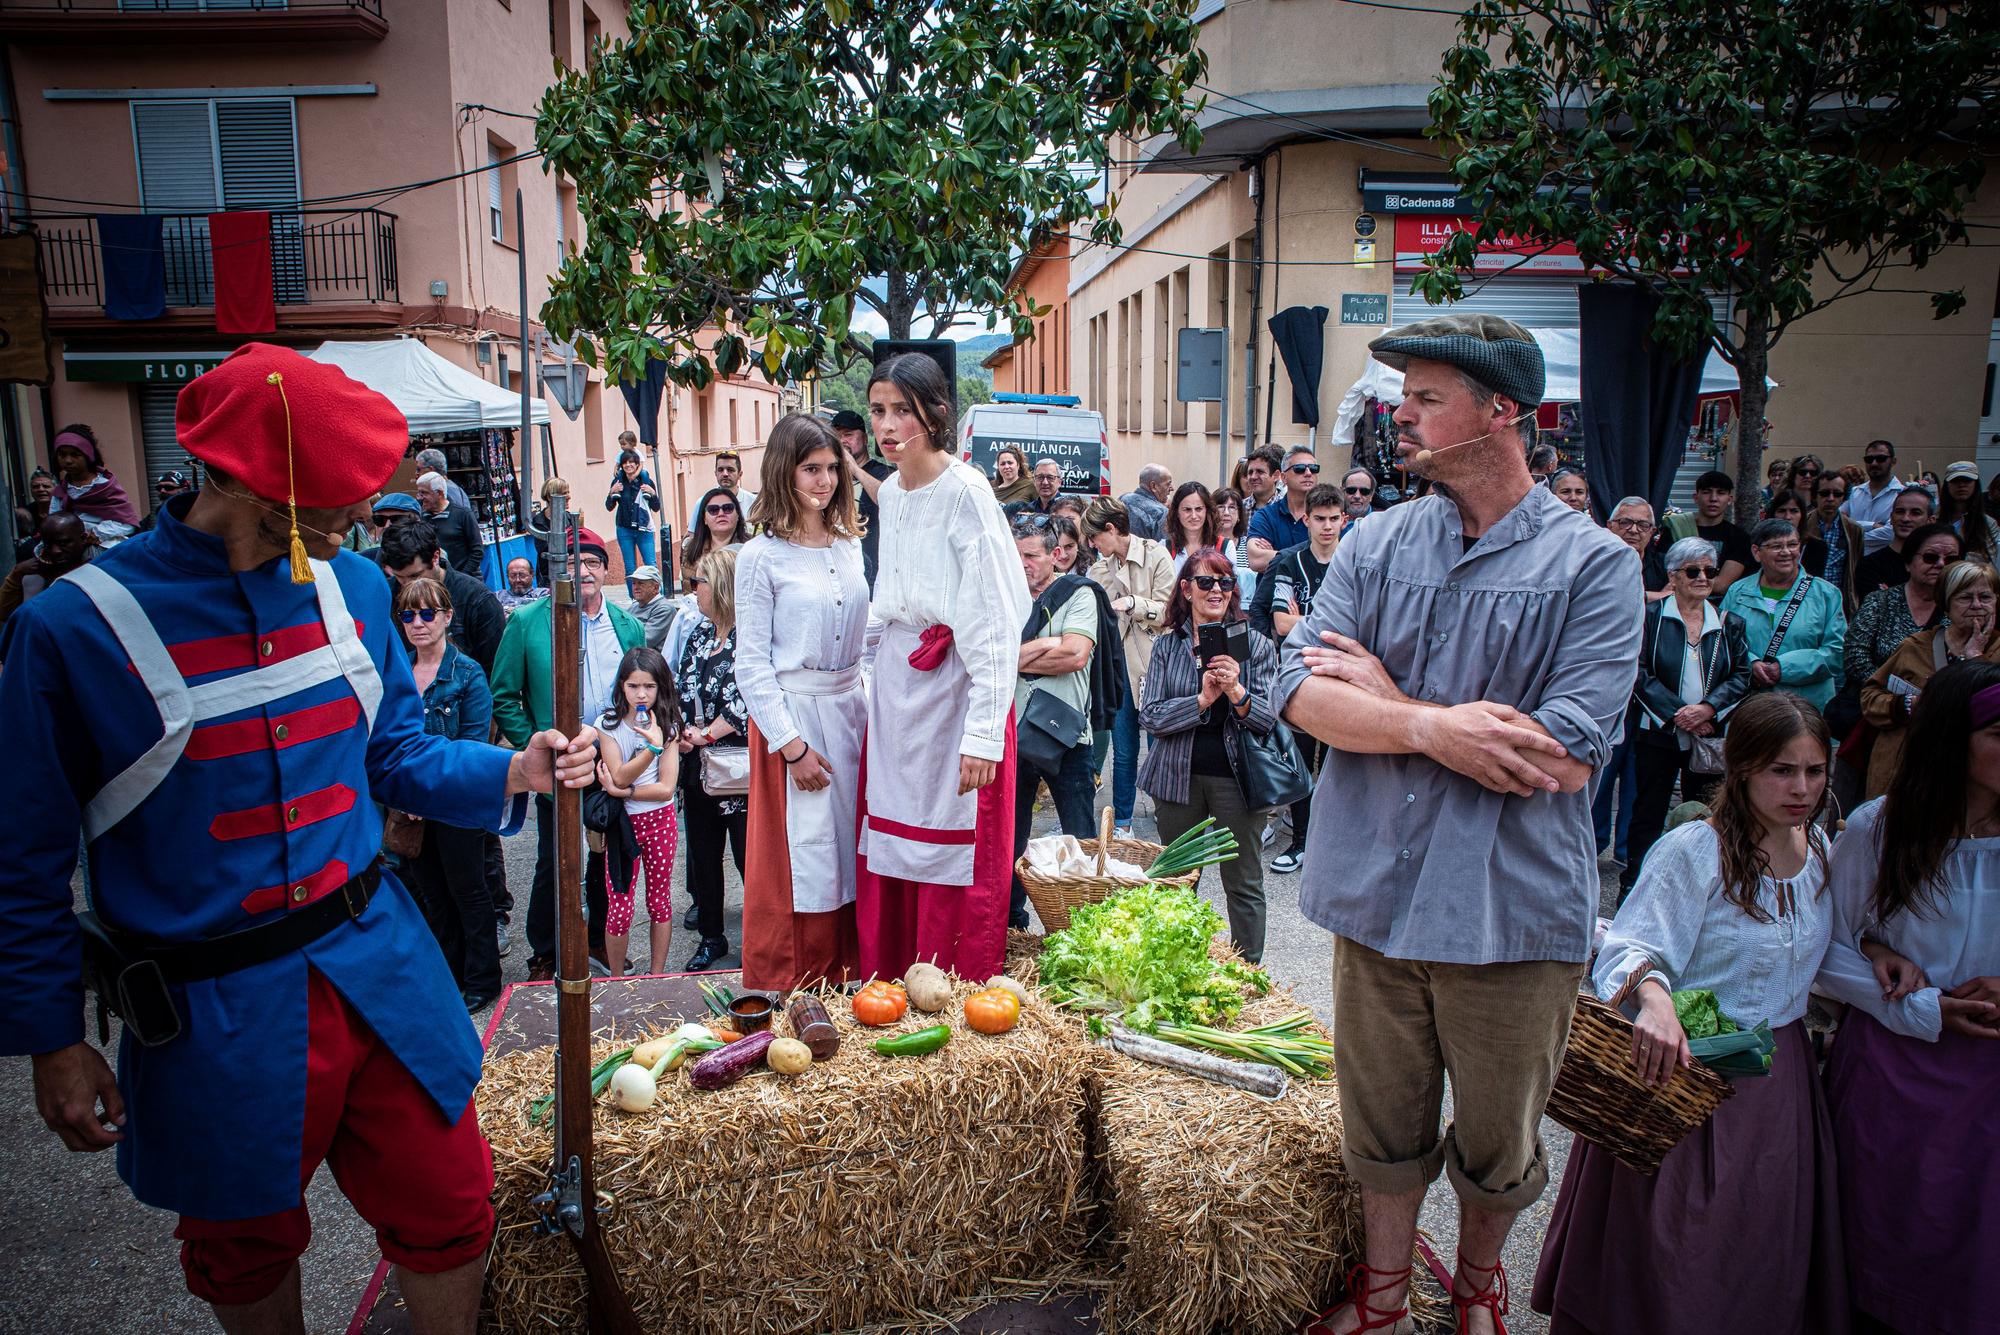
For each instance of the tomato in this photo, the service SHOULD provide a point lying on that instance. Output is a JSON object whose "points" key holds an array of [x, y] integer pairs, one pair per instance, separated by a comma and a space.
{"points": [[880, 1003], [992, 1010]]}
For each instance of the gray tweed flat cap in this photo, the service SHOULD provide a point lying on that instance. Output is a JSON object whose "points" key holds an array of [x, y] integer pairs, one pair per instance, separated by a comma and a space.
{"points": [[1493, 351]]}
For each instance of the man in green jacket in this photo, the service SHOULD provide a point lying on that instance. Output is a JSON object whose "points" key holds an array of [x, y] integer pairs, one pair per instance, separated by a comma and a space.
{"points": [[523, 704], [1807, 661]]}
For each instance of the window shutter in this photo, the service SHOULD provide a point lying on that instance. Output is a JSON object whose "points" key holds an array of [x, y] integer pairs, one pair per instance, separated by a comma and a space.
{"points": [[175, 143], [494, 217], [260, 170]]}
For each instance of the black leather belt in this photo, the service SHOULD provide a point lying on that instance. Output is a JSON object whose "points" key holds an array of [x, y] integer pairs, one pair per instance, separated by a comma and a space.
{"points": [[193, 961]]}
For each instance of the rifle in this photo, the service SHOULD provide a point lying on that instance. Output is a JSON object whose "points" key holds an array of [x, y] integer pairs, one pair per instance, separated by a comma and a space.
{"points": [[570, 1204]]}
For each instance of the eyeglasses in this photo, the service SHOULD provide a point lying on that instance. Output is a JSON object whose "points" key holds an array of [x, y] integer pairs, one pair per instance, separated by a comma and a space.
{"points": [[1698, 572], [1632, 525], [1936, 558], [1302, 469], [722, 508], [1876, 458], [1807, 471], [1359, 491], [1210, 583], [589, 562], [1838, 493], [426, 614]]}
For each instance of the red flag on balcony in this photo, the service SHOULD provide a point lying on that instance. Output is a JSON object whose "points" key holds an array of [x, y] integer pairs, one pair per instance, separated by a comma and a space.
{"points": [[240, 246]]}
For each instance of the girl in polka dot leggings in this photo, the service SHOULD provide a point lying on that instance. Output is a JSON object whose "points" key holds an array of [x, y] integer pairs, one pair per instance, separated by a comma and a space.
{"points": [[640, 764]]}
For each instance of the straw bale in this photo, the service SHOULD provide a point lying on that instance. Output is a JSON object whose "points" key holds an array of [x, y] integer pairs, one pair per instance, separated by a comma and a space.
{"points": [[867, 1190]]}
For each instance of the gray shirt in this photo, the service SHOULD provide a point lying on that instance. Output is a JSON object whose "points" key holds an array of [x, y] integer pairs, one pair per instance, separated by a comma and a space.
{"points": [[1543, 614], [657, 617], [1147, 516]]}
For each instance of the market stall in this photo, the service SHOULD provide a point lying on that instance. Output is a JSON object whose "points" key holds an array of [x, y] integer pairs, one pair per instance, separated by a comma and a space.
{"points": [[474, 422], [931, 1150]]}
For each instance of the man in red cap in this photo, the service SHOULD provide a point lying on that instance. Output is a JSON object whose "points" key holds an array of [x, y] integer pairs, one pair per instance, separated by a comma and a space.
{"points": [[524, 704], [215, 708]]}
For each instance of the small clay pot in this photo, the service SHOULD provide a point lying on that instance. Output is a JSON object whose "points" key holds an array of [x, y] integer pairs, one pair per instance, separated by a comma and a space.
{"points": [[750, 1012]]}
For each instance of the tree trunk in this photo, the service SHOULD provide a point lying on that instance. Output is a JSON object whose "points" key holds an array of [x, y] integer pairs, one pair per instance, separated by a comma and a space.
{"points": [[1752, 359], [901, 301]]}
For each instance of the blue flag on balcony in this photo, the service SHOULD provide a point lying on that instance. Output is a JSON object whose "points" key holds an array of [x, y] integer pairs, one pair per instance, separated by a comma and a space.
{"points": [[135, 265]]}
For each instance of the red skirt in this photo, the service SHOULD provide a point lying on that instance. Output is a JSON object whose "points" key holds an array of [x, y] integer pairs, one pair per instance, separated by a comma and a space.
{"points": [[960, 928], [784, 949]]}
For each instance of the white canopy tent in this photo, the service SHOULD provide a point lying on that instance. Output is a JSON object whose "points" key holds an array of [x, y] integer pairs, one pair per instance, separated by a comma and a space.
{"points": [[435, 395], [1561, 360]]}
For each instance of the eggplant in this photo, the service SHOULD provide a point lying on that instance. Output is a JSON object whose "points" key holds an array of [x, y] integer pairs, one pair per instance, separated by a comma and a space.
{"points": [[730, 1062]]}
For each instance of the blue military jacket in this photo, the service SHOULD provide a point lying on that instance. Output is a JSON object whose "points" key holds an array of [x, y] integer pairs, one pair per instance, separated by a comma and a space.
{"points": [[223, 758]]}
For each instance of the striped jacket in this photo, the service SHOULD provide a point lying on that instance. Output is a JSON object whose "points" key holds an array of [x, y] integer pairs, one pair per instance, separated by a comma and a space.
{"points": [[1170, 711]]}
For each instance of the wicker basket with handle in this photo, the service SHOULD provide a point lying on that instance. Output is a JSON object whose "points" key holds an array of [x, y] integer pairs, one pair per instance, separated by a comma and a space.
{"points": [[1054, 896], [1600, 1097]]}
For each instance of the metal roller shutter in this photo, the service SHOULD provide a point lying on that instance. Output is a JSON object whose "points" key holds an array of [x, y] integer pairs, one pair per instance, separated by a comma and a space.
{"points": [[1533, 301], [157, 436]]}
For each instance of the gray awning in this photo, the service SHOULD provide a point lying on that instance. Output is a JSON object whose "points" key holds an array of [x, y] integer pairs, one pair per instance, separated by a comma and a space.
{"points": [[1235, 129]]}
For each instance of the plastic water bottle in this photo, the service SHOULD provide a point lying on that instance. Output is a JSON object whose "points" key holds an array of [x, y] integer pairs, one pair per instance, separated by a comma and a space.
{"points": [[643, 717]]}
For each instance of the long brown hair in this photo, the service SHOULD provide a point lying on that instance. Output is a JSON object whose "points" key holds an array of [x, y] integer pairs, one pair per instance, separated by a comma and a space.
{"points": [[1923, 813], [697, 544], [1176, 536], [795, 438], [1761, 727]]}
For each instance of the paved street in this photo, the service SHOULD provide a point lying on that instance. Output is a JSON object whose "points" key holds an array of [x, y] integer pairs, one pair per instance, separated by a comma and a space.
{"points": [[86, 1259]]}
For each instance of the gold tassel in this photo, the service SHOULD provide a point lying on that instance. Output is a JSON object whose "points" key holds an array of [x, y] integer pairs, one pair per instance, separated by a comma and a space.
{"points": [[301, 565]]}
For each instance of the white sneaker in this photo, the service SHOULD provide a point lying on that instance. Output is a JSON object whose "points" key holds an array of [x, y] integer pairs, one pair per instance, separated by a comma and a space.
{"points": [[1122, 832], [1270, 833], [506, 942], [1288, 861]]}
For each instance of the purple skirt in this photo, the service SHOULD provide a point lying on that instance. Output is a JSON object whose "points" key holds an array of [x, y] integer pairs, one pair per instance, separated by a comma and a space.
{"points": [[1751, 1192], [1918, 1126]]}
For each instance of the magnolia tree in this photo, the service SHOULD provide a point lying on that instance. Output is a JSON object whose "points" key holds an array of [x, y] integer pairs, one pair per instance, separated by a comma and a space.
{"points": [[1790, 154], [753, 167]]}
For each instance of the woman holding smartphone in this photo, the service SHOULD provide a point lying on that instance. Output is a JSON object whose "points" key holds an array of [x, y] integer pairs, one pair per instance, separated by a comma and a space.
{"points": [[1196, 704]]}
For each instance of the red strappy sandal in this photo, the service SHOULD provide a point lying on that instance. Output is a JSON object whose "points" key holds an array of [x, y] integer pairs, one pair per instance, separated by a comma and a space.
{"points": [[1492, 1296], [1396, 1321]]}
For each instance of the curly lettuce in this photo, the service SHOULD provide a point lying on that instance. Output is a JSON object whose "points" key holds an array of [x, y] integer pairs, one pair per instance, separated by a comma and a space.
{"points": [[1142, 956]]}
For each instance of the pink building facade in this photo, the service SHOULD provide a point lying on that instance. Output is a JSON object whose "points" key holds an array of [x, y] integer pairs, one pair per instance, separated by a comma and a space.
{"points": [[317, 111]]}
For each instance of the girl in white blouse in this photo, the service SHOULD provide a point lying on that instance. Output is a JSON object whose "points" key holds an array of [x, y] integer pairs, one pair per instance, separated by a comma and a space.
{"points": [[801, 619], [1914, 1078], [1737, 905], [937, 837]]}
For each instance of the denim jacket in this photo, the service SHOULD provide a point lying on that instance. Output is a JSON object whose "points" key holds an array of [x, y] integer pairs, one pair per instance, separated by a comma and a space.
{"points": [[458, 704]]}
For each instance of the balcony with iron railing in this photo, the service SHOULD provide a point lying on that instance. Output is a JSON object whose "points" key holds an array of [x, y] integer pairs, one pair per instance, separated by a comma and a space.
{"points": [[201, 20], [328, 266]]}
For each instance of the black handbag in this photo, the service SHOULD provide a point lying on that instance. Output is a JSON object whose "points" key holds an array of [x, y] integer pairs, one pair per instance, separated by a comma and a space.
{"points": [[1046, 729], [1275, 773]]}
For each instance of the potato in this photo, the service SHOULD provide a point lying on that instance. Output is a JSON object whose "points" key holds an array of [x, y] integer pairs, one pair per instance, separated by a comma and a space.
{"points": [[1001, 980], [650, 1052], [929, 988], [788, 1056]]}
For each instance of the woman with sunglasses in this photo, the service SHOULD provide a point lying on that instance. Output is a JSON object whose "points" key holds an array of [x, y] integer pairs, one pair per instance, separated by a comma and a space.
{"points": [[1967, 597], [1694, 668], [448, 873], [1890, 616], [1196, 712], [1802, 476]]}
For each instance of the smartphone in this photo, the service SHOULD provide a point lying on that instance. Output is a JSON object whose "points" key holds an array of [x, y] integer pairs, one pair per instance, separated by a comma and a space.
{"points": [[1216, 640]]}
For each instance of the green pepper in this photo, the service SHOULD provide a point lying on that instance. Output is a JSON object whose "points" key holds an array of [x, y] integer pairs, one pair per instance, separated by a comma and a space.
{"points": [[914, 1045]]}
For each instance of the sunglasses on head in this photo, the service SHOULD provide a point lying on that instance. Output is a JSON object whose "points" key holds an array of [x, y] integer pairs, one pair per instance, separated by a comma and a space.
{"points": [[1302, 469], [1032, 523], [721, 508], [1210, 583], [426, 614], [1699, 572]]}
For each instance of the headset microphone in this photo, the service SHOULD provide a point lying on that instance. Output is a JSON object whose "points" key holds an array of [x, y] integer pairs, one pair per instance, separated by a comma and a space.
{"points": [[1422, 458]]}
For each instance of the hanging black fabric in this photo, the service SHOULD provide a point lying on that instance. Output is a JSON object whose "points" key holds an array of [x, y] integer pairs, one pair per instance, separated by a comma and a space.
{"points": [[1638, 399], [1300, 335], [644, 399]]}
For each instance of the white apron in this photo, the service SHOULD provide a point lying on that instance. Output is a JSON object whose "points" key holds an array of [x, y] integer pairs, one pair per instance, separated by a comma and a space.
{"points": [[830, 710], [919, 826]]}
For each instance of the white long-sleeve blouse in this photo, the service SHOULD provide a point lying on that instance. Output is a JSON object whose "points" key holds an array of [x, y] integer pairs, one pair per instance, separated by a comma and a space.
{"points": [[796, 607], [947, 558], [1678, 928], [1960, 941]]}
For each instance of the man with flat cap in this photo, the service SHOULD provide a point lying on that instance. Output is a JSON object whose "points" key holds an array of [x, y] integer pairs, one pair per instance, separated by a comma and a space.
{"points": [[215, 708], [1467, 661]]}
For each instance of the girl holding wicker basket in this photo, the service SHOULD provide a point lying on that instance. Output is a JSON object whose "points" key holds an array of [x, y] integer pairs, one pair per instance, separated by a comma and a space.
{"points": [[1737, 905]]}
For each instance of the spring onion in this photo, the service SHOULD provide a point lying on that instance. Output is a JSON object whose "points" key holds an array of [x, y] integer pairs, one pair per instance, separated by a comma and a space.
{"points": [[716, 998], [1196, 848], [1283, 1043], [600, 1078]]}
